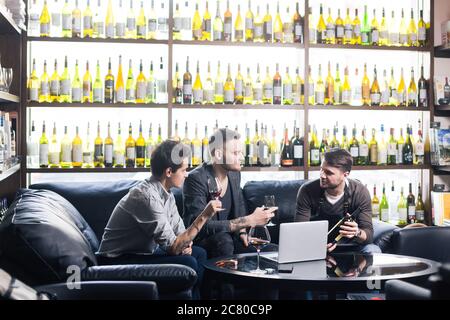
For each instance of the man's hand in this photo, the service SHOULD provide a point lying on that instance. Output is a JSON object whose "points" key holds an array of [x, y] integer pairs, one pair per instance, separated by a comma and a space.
{"points": [[212, 208], [261, 216], [188, 250], [244, 239], [331, 246], [349, 229]]}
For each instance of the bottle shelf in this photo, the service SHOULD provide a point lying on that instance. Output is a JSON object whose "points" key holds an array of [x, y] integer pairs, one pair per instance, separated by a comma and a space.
{"points": [[386, 167], [97, 105], [371, 108], [9, 172], [7, 24], [362, 47], [237, 107], [6, 97], [442, 109], [441, 52], [238, 44], [441, 170], [98, 40]]}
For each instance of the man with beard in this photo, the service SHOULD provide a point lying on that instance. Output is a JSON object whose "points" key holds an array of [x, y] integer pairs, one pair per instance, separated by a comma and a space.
{"points": [[334, 196], [225, 233]]}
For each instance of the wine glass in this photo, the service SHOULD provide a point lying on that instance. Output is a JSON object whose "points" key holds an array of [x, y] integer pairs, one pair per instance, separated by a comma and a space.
{"points": [[258, 237], [214, 188], [2, 81], [269, 201], [8, 77]]}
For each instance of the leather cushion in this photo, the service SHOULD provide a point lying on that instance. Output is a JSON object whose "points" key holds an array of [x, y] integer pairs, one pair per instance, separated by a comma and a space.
{"points": [[41, 232]]}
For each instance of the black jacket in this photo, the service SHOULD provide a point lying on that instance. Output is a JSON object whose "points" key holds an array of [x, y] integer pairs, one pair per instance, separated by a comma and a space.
{"points": [[196, 197]]}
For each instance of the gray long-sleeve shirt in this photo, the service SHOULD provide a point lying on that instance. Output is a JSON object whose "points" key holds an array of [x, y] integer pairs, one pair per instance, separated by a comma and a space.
{"points": [[147, 217]]}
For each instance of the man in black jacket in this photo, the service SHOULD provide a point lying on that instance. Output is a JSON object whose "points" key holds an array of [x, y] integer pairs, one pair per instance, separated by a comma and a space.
{"points": [[225, 233]]}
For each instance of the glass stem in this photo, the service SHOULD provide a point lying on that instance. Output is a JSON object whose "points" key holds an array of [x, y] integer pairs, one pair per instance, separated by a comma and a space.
{"points": [[257, 261]]}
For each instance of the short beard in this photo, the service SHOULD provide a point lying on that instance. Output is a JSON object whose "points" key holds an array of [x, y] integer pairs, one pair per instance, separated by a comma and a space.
{"points": [[228, 167]]}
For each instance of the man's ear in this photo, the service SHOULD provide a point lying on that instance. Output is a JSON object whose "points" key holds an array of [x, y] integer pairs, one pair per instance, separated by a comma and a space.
{"points": [[346, 174], [168, 172], [218, 154]]}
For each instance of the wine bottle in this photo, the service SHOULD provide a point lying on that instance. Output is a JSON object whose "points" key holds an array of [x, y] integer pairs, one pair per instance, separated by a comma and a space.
{"points": [[384, 32], [412, 32], [218, 87], [385, 93], [298, 22], [314, 152], [76, 21], [407, 152], [109, 148], [119, 151], [228, 24], [120, 22], [374, 30], [384, 206], [365, 30], [130, 31], [423, 90], [87, 150], [205, 146], [259, 26], [197, 89], [278, 26], [254, 147], [206, 25], [130, 89], [287, 159], [65, 85], [354, 146], [277, 86], [268, 30], [120, 88], [239, 27], [248, 88], [87, 86], [344, 144], [54, 150], [141, 85], [419, 149], [321, 28], [33, 85], [140, 148], [109, 22], [153, 23], [394, 35], [218, 25], [412, 91], [382, 148], [267, 88], [228, 88], [329, 87], [392, 149], [411, 203], [348, 29], [402, 91], [44, 21], [331, 29], [149, 147], [66, 150], [287, 88], [141, 24], [340, 30], [263, 159], [208, 89], [364, 158], [87, 21], [239, 87], [196, 25], [297, 146], [77, 150], [373, 147], [99, 157], [196, 147], [187, 85], [324, 148], [402, 209], [249, 24], [365, 88], [34, 16], [375, 93], [187, 142], [43, 149], [275, 150], [98, 86], [420, 207], [109, 85], [346, 89], [55, 85], [338, 87], [422, 31], [320, 89], [356, 35], [403, 40], [400, 145], [298, 89], [130, 145], [375, 204]]}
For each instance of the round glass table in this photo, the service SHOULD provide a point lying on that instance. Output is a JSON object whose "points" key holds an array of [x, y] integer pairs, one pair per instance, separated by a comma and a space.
{"points": [[339, 272]]}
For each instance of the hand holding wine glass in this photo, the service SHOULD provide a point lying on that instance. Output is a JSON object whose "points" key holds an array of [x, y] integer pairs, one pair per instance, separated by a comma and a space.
{"points": [[258, 237], [214, 188], [269, 202]]}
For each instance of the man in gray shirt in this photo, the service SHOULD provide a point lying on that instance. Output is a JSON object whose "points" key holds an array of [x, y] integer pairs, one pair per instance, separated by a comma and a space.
{"points": [[145, 226], [334, 196]]}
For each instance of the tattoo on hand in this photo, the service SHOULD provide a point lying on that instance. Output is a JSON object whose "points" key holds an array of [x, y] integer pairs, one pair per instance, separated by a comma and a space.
{"points": [[238, 223]]}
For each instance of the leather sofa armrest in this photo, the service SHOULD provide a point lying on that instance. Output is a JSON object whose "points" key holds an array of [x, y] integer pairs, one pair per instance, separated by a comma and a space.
{"points": [[401, 290], [168, 277], [102, 290]]}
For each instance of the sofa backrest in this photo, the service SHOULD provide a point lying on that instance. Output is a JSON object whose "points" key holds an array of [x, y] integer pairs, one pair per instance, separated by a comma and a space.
{"points": [[45, 234]]}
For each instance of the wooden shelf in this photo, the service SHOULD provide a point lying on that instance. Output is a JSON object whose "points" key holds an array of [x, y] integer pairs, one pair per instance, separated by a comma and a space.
{"points": [[237, 107], [366, 108], [98, 40], [7, 173], [6, 97], [97, 105], [441, 52], [361, 47], [443, 110], [238, 44], [7, 24], [393, 167], [441, 170]]}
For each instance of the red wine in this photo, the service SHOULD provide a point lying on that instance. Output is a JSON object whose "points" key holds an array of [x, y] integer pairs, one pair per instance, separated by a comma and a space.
{"points": [[258, 243], [215, 194]]}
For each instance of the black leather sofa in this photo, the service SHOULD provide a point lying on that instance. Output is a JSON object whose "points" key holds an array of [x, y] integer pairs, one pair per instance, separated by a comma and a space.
{"points": [[51, 226]]}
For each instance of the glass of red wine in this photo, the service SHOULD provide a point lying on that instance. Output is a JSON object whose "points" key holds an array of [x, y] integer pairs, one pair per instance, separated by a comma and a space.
{"points": [[269, 202], [214, 188], [258, 237]]}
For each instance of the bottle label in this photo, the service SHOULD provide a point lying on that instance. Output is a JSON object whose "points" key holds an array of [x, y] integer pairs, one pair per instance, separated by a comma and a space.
{"points": [[423, 95], [268, 28], [346, 96], [87, 22], [119, 158], [348, 31], [357, 94], [98, 152], [56, 19], [298, 31], [277, 91], [77, 154], [248, 91], [131, 24], [257, 94], [197, 34], [315, 155], [197, 153], [394, 38], [311, 89], [120, 30], [76, 94], [87, 89], [357, 31], [384, 35], [340, 31], [177, 24], [43, 154], [76, 25], [382, 156], [363, 150], [208, 95], [412, 97], [320, 97], [385, 97], [392, 149], [206, 26], [66, 153], [248, 23], [402, 214], [67, 22], [420, 149], [422, 34], [403, 38], [53, 157], [400, 153], [287, 91], [385, 215], [198, 95], [312, 35], [87, 157], [110, 30], [227, 28], [364, 37], [375, 98], [258, 31], [186, 23], [401, 97], [238, 89], [375, 36], [187, 89], [375, 210], [413, 37], [33, 94], [141, 31], [65, 87], [108, 153], [141, 90], [373, 153], [331, 31], [45, 28], [298, 152], [54, 88], [268, 91], [120, 95], [239, 34], [354, 151], [217, 35], [229, 96], [412, 212], [278, 36], [98, 95], [130, 94], [218, 88], [131, 152], [420, 215]]}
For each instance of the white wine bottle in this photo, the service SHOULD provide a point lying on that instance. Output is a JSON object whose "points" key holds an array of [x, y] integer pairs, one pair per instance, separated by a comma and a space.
{"points": [[119, 150], [76, 86], [77, 150], [65, 85], [43, 148], [66, 150], [98, 86]]}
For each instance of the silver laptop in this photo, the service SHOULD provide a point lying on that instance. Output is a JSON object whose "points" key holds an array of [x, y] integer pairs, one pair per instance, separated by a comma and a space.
{"points": [[301, 241]]}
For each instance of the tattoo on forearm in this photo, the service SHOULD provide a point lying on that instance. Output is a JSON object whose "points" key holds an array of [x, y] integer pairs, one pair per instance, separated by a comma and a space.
{"points": [[238, 223]]}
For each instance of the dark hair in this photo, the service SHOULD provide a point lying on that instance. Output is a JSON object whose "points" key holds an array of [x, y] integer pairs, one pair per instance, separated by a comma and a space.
{"points": [[339, 158], [169, 154], [220, 138]]}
